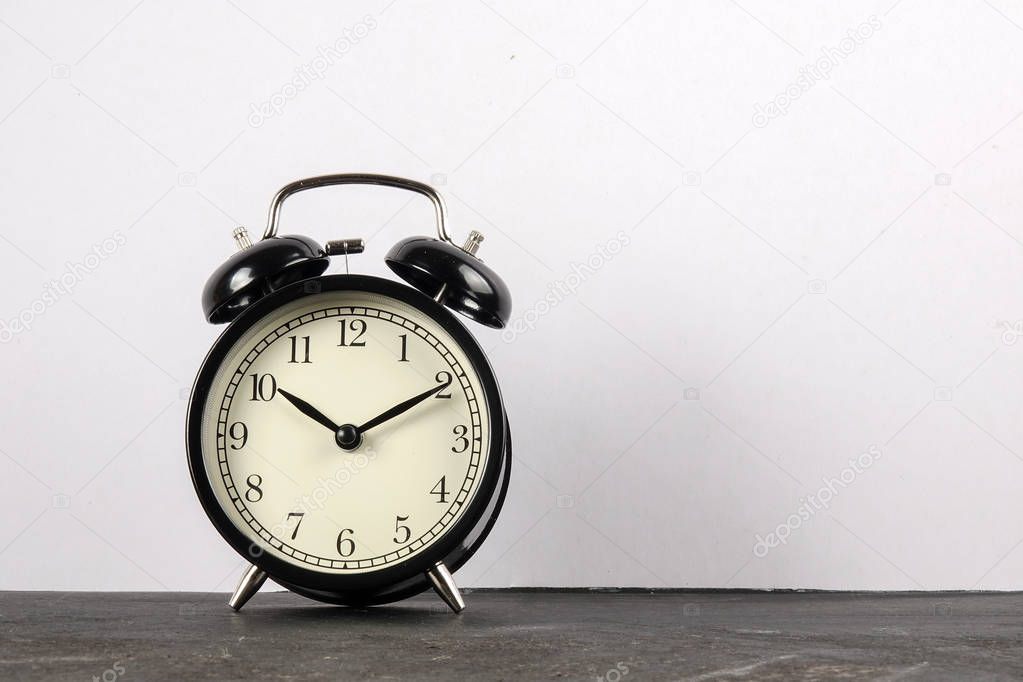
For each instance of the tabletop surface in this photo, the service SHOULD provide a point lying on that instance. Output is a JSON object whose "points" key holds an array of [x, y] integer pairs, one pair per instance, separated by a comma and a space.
{"points": [[514, 636]]}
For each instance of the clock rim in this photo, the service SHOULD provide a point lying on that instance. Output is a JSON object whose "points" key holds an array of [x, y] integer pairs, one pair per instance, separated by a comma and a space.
{"points": [[447, 546]]}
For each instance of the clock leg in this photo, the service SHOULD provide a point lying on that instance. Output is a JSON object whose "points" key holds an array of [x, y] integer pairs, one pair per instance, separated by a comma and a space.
{"points": [[445, 586], [249, 584]]}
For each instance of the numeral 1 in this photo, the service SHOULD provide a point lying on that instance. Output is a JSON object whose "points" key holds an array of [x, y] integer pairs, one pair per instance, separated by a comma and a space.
{"points": [[404, 348]]}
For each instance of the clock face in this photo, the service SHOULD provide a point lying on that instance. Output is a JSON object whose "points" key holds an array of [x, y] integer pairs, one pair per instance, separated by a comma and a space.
{"points": [[345, 432]]}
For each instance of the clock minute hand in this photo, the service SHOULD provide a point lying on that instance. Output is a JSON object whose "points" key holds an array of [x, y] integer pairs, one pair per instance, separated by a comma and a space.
{"points": [[308, 410], [402, 407]]}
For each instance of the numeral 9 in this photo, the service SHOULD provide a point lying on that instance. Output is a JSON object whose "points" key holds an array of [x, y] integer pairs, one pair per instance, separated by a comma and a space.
{"points": [[238, 432]]}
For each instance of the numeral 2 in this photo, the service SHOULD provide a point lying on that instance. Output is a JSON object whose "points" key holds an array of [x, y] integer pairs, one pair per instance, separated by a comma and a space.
{"points": [[443, 378]]}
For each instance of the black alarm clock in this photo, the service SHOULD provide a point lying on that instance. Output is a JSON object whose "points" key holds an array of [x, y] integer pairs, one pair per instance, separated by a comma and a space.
{"points": [[346, 434]]}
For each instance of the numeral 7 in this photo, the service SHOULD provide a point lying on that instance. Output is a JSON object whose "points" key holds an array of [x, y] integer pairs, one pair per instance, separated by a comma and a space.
{"points": [[300, 515]]}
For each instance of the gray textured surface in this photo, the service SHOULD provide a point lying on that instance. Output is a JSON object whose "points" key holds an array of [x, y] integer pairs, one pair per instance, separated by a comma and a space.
{"points": [[515, 636]]}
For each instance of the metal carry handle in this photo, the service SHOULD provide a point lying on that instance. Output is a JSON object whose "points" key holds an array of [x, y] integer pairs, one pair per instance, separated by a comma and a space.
{"points": [[357, 179]]}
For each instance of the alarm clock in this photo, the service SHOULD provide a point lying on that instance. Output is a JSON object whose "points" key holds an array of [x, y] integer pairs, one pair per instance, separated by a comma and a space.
{"points": [[346, 434]]}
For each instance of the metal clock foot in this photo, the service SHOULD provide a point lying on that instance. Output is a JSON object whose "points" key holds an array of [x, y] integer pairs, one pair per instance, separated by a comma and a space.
{"points": [[249, 584], [445, 586]]}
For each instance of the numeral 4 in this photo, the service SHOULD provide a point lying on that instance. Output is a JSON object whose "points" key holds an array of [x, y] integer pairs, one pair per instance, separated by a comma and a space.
{"points": [[441, 490]]}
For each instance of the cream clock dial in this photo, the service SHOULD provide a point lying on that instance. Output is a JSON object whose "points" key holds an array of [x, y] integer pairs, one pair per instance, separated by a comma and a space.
{"points": [[345, 432]]}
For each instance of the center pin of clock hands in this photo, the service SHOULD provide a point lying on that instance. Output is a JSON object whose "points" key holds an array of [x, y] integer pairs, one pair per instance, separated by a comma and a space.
{"points": [[349, 436]]}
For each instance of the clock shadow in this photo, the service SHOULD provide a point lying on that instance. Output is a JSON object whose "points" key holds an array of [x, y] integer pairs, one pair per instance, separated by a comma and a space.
{"points": [[411, 614]]}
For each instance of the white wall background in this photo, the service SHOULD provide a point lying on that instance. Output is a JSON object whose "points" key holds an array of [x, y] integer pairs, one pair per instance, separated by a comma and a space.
{"points": [[848, 276]]}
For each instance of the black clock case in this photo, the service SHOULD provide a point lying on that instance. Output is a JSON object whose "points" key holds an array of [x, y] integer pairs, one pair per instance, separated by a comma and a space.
{"points": [[453, 548]]}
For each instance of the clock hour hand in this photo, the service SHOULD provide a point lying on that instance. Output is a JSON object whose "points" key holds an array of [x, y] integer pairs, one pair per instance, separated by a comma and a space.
{"points": [[402, 407], [308, 410]]}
